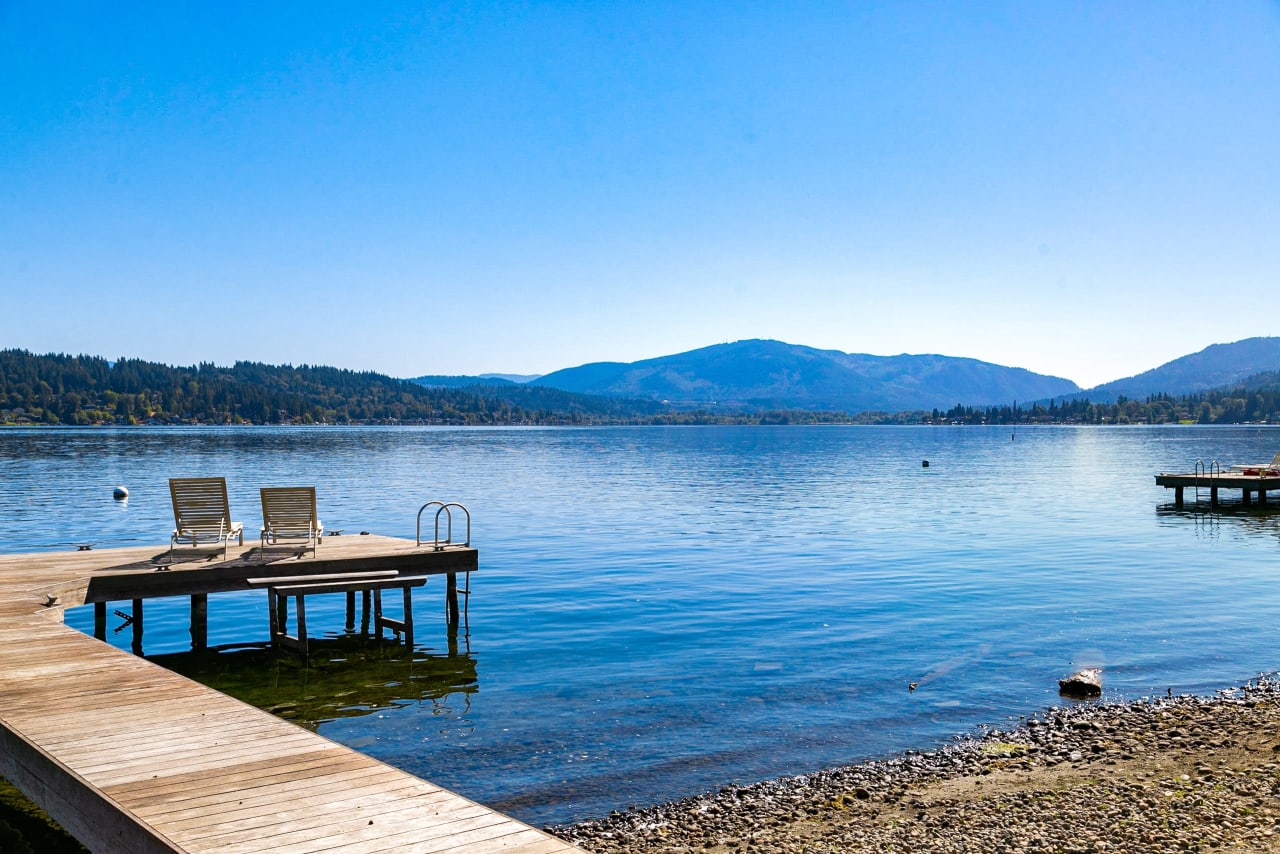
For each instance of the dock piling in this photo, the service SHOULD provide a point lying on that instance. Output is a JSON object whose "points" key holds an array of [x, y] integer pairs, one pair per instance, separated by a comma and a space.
{"points": [[199, 622], [451, 598], [137, 627], [1252, 485]]}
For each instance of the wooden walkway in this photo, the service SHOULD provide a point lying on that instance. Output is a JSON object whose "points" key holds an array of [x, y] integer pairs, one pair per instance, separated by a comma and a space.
{"points": [[130, 757]]}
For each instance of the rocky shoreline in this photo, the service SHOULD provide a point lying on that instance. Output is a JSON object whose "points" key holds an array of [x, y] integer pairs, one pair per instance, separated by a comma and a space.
{"points": [[1168, 774]]}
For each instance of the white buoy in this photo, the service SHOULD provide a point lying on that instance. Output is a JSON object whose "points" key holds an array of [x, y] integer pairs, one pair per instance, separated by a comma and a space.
{"points": [[120, 493]]}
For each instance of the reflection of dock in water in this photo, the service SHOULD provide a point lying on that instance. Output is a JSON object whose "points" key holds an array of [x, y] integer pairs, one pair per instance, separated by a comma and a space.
{"points": [[1255, 520], [346, 678]]}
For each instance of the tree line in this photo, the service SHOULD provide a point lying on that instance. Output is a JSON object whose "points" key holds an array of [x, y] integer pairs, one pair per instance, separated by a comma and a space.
{"points": [[1257, 401], [83, 390], [88, 390]]}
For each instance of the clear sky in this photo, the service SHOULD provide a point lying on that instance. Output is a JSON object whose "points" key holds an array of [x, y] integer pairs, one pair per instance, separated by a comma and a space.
{"points": [[1081, 189]]}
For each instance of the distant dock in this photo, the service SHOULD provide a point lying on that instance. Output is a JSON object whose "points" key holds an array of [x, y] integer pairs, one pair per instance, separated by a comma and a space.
{"points": [[1251, 486], [131, 757]]}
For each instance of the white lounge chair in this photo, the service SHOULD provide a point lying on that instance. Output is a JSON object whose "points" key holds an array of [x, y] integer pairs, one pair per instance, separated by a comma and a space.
{"points": [[201, 514], [289, 513], [1258, 468]]}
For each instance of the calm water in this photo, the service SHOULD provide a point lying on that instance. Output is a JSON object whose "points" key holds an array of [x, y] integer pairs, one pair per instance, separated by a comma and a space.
{"points": [[664, 611]]}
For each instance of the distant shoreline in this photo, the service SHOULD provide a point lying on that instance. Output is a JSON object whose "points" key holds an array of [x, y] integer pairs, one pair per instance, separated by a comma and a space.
{"points": [[709, 423]]}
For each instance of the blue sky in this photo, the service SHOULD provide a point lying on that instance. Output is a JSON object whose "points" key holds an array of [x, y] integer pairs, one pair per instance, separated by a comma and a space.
{"points": [[1081, 189]]}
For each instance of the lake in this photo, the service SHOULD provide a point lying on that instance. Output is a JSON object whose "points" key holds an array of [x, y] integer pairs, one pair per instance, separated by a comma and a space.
{"points": [[663, 611]]}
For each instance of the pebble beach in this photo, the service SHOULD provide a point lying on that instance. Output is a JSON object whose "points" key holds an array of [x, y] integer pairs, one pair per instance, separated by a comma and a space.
{"points": [[1165, 774]]}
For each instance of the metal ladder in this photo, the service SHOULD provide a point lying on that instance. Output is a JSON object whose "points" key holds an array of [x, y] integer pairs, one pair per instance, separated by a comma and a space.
{"points": [[445, 508], [1210, 472]]}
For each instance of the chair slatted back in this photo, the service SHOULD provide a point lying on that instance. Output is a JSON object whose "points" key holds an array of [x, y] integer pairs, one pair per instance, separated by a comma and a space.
{"points": [[289, 510], [200, 505]]}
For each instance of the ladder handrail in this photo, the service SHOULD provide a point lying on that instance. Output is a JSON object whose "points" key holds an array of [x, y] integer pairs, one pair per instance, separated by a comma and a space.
{"points": [[1210, 472], [443, 507]]}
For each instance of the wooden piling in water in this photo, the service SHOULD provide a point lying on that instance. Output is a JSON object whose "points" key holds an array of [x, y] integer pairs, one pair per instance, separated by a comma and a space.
{"points": [[1250, 485]]}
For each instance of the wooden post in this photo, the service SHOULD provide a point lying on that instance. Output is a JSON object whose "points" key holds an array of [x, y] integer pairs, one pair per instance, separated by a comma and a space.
{"points": [[282, 614], [365, 598], [1262, 495], [273, 617], [1177, 497], [1246, 496], [1213, 496], [451, 598], [351, 611], [137, 627], [299, 603], [199, 622], [100, 620], [408, 618]]}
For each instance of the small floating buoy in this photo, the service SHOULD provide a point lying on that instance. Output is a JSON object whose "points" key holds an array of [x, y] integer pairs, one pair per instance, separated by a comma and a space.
{"points": [[924, 464], [120, 493]]}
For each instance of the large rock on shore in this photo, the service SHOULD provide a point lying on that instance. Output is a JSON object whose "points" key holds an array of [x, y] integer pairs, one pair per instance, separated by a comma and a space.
{"points": [[1082, 684]]}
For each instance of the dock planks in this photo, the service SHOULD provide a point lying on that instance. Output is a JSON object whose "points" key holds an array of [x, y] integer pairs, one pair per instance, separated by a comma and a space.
{"points": [[131, 757]]}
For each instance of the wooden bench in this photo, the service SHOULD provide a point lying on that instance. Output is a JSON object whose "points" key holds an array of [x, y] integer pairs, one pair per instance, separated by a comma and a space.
{"points": [[300, 586]]}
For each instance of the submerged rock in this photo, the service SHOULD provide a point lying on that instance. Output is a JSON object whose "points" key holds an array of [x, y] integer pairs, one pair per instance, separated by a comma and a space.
{"points": [[1083, 683]]}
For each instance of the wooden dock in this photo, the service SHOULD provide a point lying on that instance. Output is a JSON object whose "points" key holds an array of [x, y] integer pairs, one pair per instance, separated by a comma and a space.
{"points": [[1250, 485], [131, 757]]}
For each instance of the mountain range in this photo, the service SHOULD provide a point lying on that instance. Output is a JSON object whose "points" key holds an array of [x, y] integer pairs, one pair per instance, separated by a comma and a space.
{"points": [[759, 375], [1216, 366], [748, 382]]}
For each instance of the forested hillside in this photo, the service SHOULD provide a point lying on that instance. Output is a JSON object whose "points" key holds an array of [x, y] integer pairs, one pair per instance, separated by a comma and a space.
{"points": [[1254, 400], [755, 375], [60, 389], [1217, 366]]}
